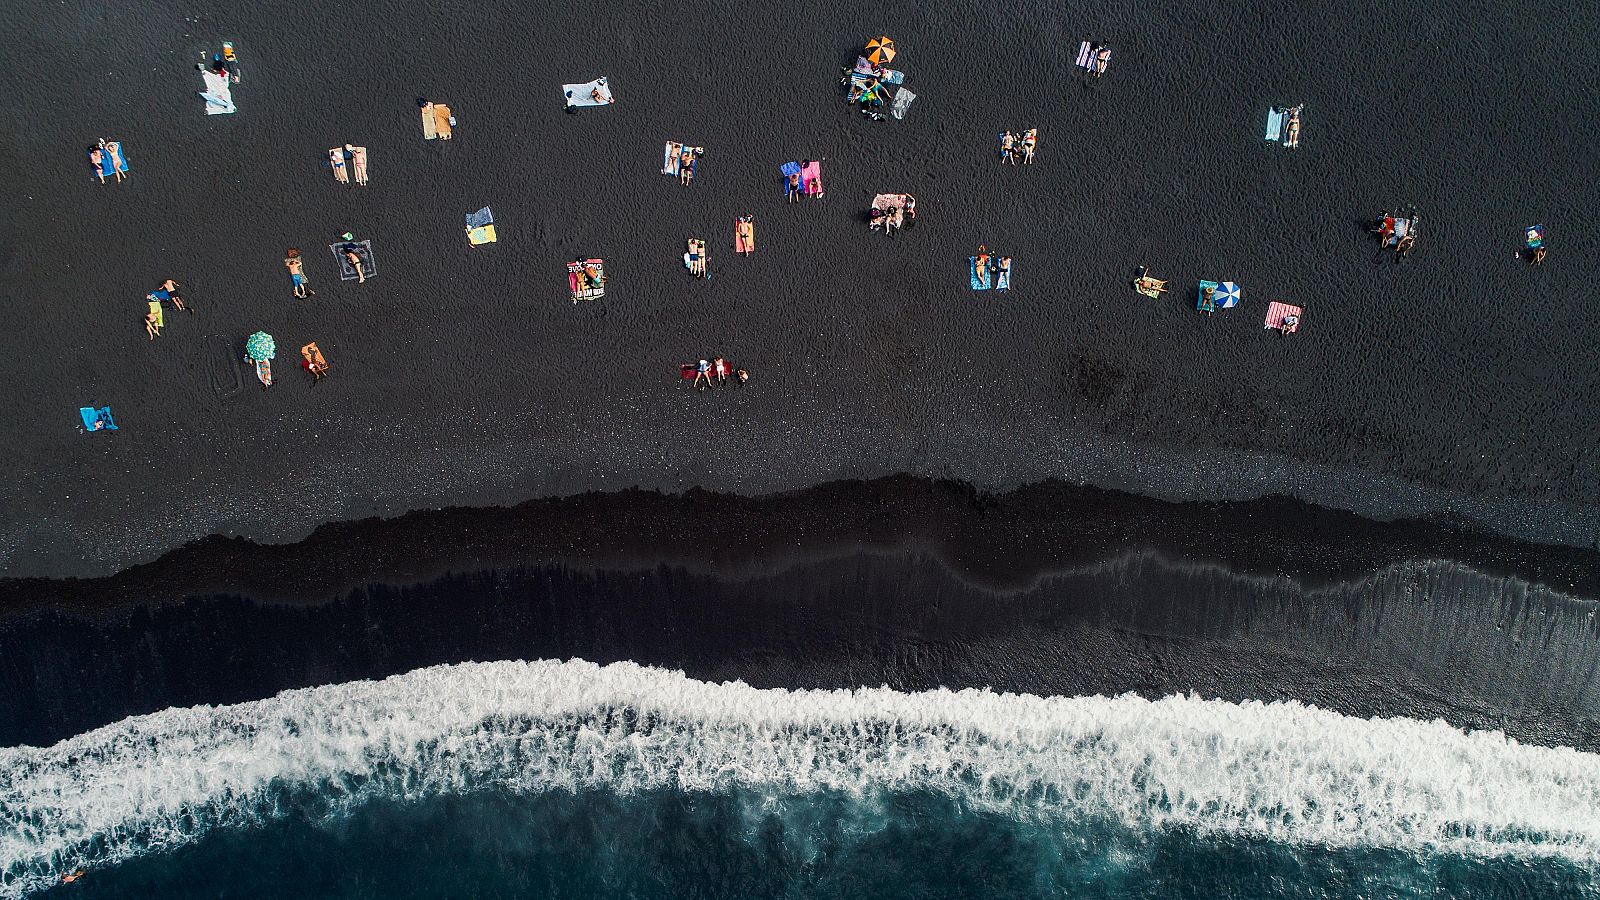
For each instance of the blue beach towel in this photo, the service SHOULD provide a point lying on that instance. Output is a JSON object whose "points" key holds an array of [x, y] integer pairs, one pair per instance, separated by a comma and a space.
{"points": [[97, 419], [1275, 120], [980, 277], [480, 218]]}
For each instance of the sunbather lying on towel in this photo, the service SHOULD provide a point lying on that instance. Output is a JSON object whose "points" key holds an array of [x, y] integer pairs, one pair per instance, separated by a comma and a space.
{"points": [[97, 161], [354, 259], [1293, 137], [1008, 143], [685, 165], [1030, 139]]}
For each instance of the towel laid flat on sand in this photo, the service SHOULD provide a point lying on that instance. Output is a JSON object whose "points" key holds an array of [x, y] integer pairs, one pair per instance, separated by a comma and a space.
{"points": [[1275, 120], [480, 227], [97, 419], [811, 179], [583, 284], [363, 250], [218, 96], [583, 94], [980, 275], [1277, 311]]}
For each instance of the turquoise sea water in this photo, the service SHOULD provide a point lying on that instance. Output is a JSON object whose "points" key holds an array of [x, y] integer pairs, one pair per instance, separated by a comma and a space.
{"points": [[740, 845], [566, 779]]}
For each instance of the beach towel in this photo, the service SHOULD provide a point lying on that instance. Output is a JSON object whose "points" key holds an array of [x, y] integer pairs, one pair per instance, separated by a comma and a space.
{"points": [[902, 103], [811, 179], [480, 227], [97, 419], [218, 95], [113, 159], [313, 357], [583, 94], [336, 162], [687, 371], [1277, 311], [1402, 227], [887, 76], [430, 127], [744, 238], [160, 295], [444, 122], [888, 201], [590, 290], [1535, 236], [1275, 123], [980, 276], [363, 250], [1002, 280], [1086, 57], [161, 317]]}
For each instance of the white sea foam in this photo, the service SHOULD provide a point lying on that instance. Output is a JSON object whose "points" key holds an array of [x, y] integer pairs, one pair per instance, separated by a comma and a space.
{"points": [[1282, 771]]}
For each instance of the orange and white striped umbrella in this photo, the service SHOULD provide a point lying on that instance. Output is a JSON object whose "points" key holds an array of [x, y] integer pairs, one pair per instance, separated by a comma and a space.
{"points": [[880, 50]]}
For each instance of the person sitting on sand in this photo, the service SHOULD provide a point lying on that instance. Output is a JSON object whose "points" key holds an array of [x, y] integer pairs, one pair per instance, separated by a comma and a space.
{"points": [[743, 376], [720, 366], [1030, 139], [702, 372], [685, 165], [151, 326], [354, 259], [794, 187]]}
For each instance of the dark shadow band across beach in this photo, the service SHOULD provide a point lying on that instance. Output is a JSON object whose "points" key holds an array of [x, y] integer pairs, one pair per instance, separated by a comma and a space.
{"points": [[1052, 589]]}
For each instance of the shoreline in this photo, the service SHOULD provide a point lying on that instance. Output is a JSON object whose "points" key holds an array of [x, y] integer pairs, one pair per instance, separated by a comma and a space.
{"points": [[1052, 590]]}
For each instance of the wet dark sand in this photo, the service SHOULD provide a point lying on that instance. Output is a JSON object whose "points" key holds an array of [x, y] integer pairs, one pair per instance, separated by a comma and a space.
{"points": [[1051, 590], [1458, 382]]}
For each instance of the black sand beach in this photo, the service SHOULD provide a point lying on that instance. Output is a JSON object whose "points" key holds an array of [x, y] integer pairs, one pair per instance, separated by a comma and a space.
{"points": [[1049, 590], [1460, 381]]}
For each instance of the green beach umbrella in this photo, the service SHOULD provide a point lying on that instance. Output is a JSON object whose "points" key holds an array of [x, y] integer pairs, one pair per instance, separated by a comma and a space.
{"points": [[260, 346]]}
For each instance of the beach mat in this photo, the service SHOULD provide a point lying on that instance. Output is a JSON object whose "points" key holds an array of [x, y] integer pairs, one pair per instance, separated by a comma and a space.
{"points": [[980, 277], [363, 249], [902, 103], [442, 124], [592, 292], [480, 227], [430, 128], [1275, 120], [582, 94], [1276, 311], [218, 95], [811, 178], [97, 419]]}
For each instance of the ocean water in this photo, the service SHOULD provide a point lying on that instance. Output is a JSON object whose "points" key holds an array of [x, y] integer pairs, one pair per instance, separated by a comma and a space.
{"points": [[569, 779]]}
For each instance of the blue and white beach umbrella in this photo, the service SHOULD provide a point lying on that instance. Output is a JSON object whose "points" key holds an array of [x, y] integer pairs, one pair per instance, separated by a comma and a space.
{"points": [[1228, 295]]}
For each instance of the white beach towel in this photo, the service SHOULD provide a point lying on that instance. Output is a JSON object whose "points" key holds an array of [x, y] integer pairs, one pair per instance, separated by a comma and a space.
{"points": [[218, 96], [583, 94]]}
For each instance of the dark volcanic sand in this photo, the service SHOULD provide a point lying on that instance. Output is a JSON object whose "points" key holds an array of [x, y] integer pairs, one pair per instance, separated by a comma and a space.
{"points": [[1050, 590], [1460, 380]]}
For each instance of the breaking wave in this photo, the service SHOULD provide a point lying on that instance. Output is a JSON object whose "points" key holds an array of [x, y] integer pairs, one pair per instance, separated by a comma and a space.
{"points": [[1281, 771]]}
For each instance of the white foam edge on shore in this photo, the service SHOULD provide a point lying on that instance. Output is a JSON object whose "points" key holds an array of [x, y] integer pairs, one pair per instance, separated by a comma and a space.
{"points": [[1280, 771]]}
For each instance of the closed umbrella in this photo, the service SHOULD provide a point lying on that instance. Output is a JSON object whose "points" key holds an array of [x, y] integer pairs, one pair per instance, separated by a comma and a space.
{"points": [[1228, 295], [260, 346], [880, 50]]}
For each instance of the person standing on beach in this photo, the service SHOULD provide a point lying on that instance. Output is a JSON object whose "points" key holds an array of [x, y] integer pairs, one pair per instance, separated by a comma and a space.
{"points": [[297, 272]]}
